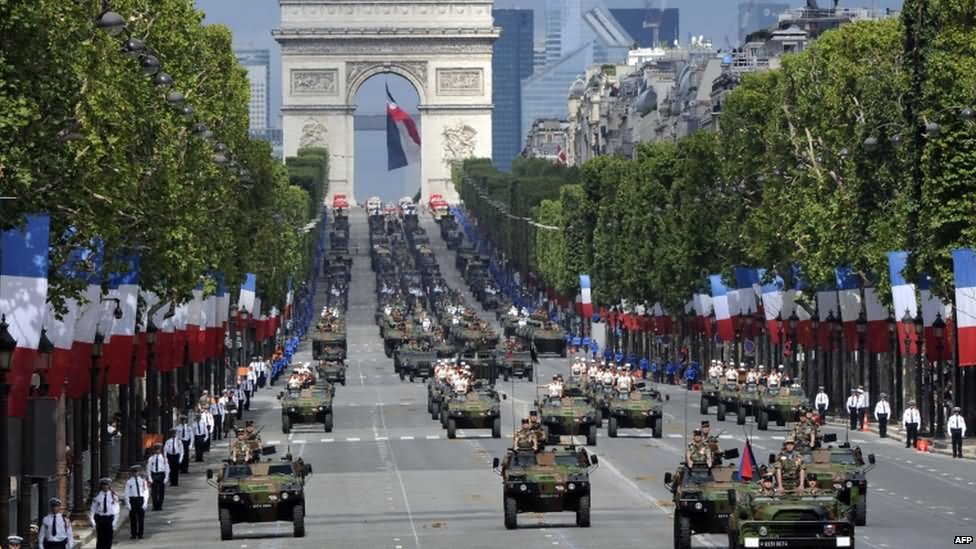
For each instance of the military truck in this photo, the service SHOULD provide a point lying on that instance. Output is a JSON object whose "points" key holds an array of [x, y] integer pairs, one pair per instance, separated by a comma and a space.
{"points": [[476, 409], [413, 362], [641, 409], [747, 403], [546, 337], [847, 466], [573, 414], [261, 492], [781, 405], [701, 499], [791, 519], [313, 405], [549, 481], [515, 361], [709, 394], [329, 345], [728, 399], [333, 371]]}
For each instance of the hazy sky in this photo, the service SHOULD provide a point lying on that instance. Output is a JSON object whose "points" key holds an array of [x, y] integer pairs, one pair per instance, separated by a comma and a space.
{"points": [[252, 20]]}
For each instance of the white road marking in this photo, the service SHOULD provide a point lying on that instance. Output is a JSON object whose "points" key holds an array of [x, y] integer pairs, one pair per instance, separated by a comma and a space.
{"points": [[273, 442], [328, 440], [725, 437], [433, 437], [777, 437], [352, 439], [378, 439], [675, 435], [407, 437], [608, 465]]}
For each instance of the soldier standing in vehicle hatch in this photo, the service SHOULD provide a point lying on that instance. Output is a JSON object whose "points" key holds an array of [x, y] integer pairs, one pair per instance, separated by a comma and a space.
{"points": [[536, 427], [712, 442], [699, 453], [789, 466], [525, 439], [766, 487]]}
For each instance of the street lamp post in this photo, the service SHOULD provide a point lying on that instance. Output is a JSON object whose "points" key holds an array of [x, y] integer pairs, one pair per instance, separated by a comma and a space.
{"points": [[7, 347], [938, 331], [45, 353], [862, 330], [917, 363], [794, 322], [152, 380], [781, 333], [818, 378], [762, 350], [908, 392], [738, 338], [835, 380], [243, 316], [748, 320], [97, 434]]}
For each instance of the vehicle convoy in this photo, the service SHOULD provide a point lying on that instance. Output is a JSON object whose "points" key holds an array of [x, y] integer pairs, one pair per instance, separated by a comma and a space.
{"points": [[709, 394], [701, 499], [312, 405], [780, 404], [573, 414], [479, 408], [641, 409], [333, 371], [413, 361], [789, 519], [543, 335], [265, 491], [846, 465], [514, 360], [549, 481]]}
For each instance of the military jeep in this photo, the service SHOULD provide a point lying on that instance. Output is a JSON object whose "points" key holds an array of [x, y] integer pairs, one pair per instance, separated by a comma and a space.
{"points": [[844, 465], [333, 371], [709, 394], [412, 362], [261, 492], [641, 409], [437, 392], [573, 414], [476, 409], [546, 482], [701, 500], [313, 405], [781, 405], [788, 520]]}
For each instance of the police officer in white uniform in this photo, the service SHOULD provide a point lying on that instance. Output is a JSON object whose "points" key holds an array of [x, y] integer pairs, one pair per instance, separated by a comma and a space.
{"points": [[104, 514], [136, 500], [55, 531], [882, 411], [910, 420], [173, 449], [852, 408], [185, 433], [201, 434], [158, 468], [956, 428], [822, 402]]}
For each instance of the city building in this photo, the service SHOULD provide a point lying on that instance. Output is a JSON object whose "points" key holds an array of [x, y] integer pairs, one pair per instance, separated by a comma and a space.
{"points": [[258, 66], [512, 61], [754, 16], [578, 34], [547, 139], [649, 27]]}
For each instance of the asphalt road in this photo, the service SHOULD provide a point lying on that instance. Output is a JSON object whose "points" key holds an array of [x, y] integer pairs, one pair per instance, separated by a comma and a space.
{"points": [[387, 477]]}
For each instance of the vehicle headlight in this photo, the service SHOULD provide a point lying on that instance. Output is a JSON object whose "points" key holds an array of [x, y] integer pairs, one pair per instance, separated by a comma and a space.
{"points": [[291, 409], [571, 486], [848, 484], [272, 497], [284, 495], [523, 487], [829, 530], [236, 498], [763, 531], [698, 506]]}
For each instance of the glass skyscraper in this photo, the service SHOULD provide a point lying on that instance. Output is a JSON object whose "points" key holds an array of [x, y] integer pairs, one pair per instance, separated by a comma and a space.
{"points": [[258, 66], [512, 59]]}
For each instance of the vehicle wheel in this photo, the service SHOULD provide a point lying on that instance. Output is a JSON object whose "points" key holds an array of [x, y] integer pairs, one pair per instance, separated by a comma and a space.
{"points": [[403, 375], [733, 539], [599, 416], [504, 375], [511, 514], [658, 427], [612, 427], [342, 382], [562, 353], [496, 428], [720, 415], [591, 436], [411, 378], [780, 422], [583, 512], [298, 520], [682, 532], [703, 406], [285, 424], [327, 420], [861, 511], [529, 375], [430, 405], [741, 416], [436, 413], [226, 525], [443, 418], [763, 420], [451, 428]]}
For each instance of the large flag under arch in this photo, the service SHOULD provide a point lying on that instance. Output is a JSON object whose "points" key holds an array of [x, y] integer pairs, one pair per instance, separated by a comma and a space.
{"points": [[402, 136]]}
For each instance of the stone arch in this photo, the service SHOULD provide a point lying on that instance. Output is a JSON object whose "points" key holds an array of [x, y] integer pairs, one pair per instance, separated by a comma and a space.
{"points": [[358, 73]]}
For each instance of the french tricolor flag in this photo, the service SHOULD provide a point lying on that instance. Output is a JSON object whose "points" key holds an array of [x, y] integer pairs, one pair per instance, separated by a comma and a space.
{"points": [[223, 314], [703, 309], [23, 300], [86, 324], [903, 299], [61, 332], [827, 306], [289, 299], [117, 355], [964, 266], [878, 340], [586, 303], [402, 136], [849, 295], [720, 303], [180, 318], [932, 308], [772, 300]]}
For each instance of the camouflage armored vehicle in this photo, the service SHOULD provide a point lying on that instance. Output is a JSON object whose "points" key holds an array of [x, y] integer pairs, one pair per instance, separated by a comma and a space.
{"points": [[709, 394], [573, 414], [844, 465], [728, 399], [436, 393], [261, 492], [600, 395], [329, 344], [477, 409], [701, 500], [641, 409], [414, 361], [313, 405], [549, 481], [514, 360], [781, 405], [546, 337], [791, 519], [747, 403], [333, 371]]}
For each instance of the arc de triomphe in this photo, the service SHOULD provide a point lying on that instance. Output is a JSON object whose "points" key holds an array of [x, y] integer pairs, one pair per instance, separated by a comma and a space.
{"points": [[443, 47]]}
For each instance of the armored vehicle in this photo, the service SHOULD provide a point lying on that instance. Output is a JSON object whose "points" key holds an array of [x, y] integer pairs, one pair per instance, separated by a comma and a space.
{"points": [[573, 414], [600, 396], [641, 409], [728, 399], [476, 409], [329, 345], [514, 360], [312, 405], [333, 371], [747, 403], [436, 393], [781, 404], [413, 361], [701, 500], [709, 394], [550, 481], [261, 492], [546, 337], [788, 520], [845, 465]]}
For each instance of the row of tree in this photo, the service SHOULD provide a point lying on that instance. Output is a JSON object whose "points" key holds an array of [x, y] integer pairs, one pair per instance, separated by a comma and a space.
{"points": [[862, 144], [162, 169]]}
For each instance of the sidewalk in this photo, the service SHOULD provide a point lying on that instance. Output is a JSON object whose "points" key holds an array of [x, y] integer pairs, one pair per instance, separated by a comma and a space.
{"points": [[936, 446]]}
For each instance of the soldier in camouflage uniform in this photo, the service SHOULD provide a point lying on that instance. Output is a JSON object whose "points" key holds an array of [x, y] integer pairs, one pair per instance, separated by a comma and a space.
{"points": [[240, 450], [766, 487], [712, 442], [525, 439], [699, 453], [789, 466], [536, 427], [811, 488], [805, 431]]}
